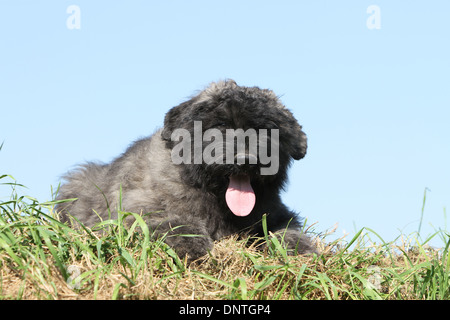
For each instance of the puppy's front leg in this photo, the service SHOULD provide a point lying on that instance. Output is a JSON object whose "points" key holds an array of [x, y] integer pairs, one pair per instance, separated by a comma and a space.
{"points": [[296, 242], [288, 230], [185, 238]]}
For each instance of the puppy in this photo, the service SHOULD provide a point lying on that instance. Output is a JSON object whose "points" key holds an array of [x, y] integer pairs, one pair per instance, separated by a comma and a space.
{"points": [[215, 168]]}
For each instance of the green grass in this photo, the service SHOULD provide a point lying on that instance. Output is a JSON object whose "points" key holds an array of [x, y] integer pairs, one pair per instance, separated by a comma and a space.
{"points": [[41, 258]]}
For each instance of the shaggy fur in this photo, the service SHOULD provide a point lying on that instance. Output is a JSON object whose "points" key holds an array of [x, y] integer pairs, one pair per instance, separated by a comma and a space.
{"points": [[192, 196]]}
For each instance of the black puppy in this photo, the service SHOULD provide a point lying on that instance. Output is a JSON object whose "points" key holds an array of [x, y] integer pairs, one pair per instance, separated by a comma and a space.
{"points": [[217, 166]]}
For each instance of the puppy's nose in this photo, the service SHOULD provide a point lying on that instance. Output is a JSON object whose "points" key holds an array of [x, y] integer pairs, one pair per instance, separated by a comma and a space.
{"points": [[244, 158]]}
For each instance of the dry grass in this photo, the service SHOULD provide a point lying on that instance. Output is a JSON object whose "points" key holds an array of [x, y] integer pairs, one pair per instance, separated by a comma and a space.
{"points": [[232, 270], [39, 258]]}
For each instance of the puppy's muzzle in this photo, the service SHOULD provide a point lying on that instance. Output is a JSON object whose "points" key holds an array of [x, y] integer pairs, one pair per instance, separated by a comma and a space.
{"points": [[244, 158]]}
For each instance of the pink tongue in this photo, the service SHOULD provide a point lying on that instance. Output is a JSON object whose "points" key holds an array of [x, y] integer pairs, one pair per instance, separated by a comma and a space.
{"points": [[240, 196]]}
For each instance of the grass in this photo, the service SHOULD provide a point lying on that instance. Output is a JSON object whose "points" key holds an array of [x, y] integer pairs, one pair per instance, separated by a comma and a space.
{"points": [[41, 258]]}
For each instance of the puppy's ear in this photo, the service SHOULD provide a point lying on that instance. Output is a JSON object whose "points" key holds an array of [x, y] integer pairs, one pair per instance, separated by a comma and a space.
{"points": [[293, 135], [174, 119], [169, 120], [298, 142]]}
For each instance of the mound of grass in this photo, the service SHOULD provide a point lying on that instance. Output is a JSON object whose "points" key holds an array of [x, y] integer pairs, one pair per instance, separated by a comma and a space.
{"points": [[41, 258]]}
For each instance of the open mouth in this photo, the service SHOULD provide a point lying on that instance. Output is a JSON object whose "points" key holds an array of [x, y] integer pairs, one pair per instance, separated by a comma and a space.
{"points": [[240, 196]]}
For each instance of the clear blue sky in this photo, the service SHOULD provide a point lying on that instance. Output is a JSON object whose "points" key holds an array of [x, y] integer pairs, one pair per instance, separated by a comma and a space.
{"points": [[374, 102]]}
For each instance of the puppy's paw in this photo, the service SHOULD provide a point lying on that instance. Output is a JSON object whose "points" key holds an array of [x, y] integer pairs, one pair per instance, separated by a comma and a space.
{"points": [[297, 242], [189, 241]]}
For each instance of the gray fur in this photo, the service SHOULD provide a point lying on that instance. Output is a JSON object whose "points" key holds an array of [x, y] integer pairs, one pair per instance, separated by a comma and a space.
{"points": [[192, 195]]}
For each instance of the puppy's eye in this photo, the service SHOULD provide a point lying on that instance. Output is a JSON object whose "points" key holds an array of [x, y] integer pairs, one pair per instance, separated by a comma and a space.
{"points": [[219, 124]]}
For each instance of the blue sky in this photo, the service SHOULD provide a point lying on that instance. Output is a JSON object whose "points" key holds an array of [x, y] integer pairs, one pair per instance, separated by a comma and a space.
{"points": [[374, 102]]}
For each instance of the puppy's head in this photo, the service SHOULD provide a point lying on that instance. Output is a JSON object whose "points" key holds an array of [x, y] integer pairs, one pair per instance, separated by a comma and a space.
{"points": [[235, 141], [226, 105]]}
